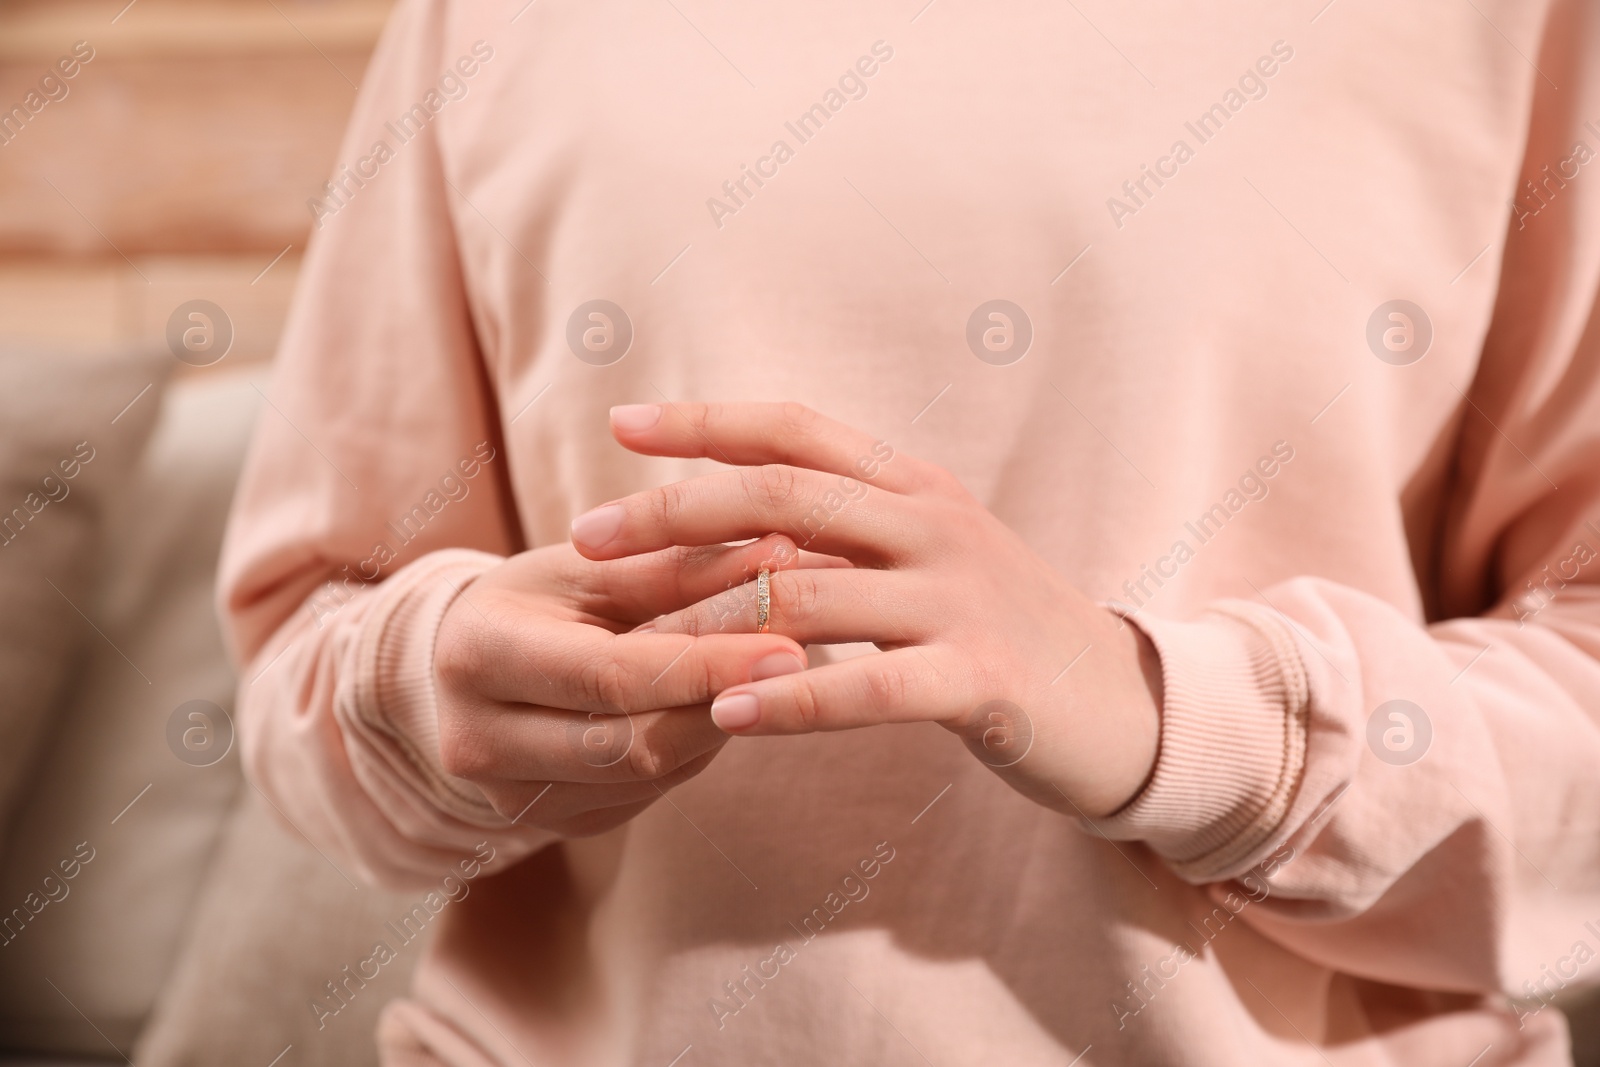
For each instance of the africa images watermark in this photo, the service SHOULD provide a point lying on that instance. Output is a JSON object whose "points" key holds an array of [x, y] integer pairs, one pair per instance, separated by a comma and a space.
{"points": [[853, 887], [852, 85], [737, 603], [1253, 485], [1553, 978], [1554, 577], [850, 490], [1153, 978], [1252, 85], [52, 88], [52, 490], [1536, 195], [336, 592], [53, 889], [340, 991], [350, 179]]}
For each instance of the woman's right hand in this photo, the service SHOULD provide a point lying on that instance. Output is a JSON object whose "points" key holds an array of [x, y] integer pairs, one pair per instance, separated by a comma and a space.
{"points": [[563, 718]]}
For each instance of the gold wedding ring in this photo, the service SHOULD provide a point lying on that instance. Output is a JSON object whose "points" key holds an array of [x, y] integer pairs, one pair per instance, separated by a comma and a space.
{"points": [[763, 600]]}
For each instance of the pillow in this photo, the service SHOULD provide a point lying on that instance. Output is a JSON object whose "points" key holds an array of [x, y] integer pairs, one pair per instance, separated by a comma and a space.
{"points": [[72, 424], [274, 925], [133, 815]]}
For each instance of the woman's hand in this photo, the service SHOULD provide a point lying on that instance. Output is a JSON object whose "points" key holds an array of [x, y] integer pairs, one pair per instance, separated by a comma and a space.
{"points": [[976, 631], [566, 722]]}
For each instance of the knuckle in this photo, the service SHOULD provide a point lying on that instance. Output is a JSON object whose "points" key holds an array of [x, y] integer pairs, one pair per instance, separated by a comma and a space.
{"points": [[953, 528], [696, 559], [652, 756], [713, 674], [942, 481], [584, 683], [691, 620], [512, 802], [668, 502], [602, 682], [772, 486], [462, 752], [885, 687], [782, 550], [696, 622], [458, 657], [795, 418], [720, 614], [499, 801], [801, 600], [703, 417], [807, 710]]}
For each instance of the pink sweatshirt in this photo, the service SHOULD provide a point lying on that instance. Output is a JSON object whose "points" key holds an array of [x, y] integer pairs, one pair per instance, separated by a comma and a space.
{"points": [[1363, 535]]}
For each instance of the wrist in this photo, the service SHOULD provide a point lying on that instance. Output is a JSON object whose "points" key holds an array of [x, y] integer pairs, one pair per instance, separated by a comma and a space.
{"points": [[1126, 716], [1087, 739], [1233, 739]]}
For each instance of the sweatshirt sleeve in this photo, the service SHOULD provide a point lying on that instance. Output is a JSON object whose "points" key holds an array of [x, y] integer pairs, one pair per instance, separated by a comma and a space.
{"points": [[374, 492], [1417, 803]]}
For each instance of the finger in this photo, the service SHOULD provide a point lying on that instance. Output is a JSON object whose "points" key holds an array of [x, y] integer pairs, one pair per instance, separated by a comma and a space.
{"points": [[742, 594], [644, 586], [822, 559], [579, 809], [576, 667], [814, 606], [902, 685], [535, 744], [814, 509], [751, 434]]}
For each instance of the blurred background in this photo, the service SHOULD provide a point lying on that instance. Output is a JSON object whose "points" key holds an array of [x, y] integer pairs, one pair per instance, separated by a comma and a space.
{"points": [[153, 215], [152, 221], [177, 166]]}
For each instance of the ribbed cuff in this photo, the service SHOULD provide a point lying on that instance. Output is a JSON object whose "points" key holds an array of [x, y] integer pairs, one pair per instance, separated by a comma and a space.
{"points": [[396, 700], [1233, 742]]}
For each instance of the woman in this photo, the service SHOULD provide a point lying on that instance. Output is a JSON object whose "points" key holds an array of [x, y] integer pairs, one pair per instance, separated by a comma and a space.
{"points": [[1170, 397]]}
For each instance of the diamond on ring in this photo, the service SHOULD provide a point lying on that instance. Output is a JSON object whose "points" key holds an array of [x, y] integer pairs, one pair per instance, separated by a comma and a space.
{"points": [[763, 600]]}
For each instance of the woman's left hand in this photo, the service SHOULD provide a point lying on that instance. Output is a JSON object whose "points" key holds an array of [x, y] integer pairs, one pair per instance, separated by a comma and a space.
{"points": [[976, 631]]}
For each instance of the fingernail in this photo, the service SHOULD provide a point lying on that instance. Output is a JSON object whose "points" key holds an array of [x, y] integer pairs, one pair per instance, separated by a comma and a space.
{"points": [[774, 664], [595, 529], [736, 712], [645, 628], [635, 418]]}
